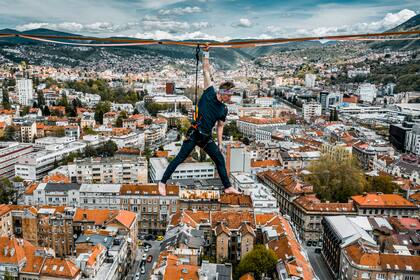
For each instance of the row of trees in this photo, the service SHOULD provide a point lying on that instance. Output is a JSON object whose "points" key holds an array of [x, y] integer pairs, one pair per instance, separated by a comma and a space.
{"points": [[102, 88], [338, 180]]}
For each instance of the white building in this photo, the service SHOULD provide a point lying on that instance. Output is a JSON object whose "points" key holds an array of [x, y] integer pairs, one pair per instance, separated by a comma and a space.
{"points": [[262, 200], [100, 196], [51, 140], [133, 139], [310, 80], [34, 166], [249, 125], [56, 194], [264, 101], [25, 91], [412, 140], [237, 157], [186, 170], [118, 169], [310, 110], [367, 92], [10, 152]]}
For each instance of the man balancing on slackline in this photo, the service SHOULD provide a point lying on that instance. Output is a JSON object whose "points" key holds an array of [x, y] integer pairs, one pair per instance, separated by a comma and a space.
{"points": [[211, 111]]}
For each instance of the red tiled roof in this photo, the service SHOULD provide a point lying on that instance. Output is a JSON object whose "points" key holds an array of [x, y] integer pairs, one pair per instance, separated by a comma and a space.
{"points": [[373, 200]]}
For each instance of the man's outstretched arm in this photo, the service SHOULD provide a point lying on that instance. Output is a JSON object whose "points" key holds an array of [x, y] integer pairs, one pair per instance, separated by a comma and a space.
{"points": [[206, 68]]}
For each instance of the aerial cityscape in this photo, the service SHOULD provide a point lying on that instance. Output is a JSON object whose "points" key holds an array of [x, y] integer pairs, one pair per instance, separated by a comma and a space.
{"points": [[209, 140]]}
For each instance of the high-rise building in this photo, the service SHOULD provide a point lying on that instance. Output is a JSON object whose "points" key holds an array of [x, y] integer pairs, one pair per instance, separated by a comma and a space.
{"points": [[311, 109], [24, 90], [367, 92], [310, 80], [412, 140]]}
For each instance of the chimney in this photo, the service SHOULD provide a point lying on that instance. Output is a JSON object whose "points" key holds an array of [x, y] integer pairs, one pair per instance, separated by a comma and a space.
{"points": [[6, 250], [84, 216]]}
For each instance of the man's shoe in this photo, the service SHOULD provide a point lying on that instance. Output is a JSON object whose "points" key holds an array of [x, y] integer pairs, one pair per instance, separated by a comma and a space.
{"points": [[162, 188], [231, 190]]}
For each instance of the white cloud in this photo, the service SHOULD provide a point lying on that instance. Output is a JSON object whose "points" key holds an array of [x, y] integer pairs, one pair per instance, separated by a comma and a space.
{"points": [[389, 21], [180, 11], [95, 27], [196, 35], [173, 26], [243, 22]]}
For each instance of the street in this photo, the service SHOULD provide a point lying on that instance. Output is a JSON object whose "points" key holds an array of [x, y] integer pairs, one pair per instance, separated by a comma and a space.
{"points": [[154, 251], [318, 264]]}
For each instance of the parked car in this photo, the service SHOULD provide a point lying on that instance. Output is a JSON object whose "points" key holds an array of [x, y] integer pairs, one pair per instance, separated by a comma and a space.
{"points": [[137, 276], [144, 257], [318, 250], [149, 258], [142, 270], [150, 237], [146, 249], [160, 238]]}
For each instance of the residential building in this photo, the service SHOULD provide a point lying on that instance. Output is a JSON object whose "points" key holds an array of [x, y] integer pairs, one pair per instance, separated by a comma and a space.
{"points": [[361, 261], [310, 80], [393, 205], [311, 110], [199, 199], [22, 260], [10, 152], [367, 92], [100, 196], [28, 131], [412, 140], [340, 232], [249, 125], [278, 235], [118, 169], [154, 135], [25, 91], [6, 221], [236, 156], [54, 194], [285, 187], [55, 229], [134, 139], [234, 234], [153, 210], [186, 170], [308, 213]]}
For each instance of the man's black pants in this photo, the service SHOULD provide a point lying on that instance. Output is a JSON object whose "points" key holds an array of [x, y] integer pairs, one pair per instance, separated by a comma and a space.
{"points": [[195, 138]]}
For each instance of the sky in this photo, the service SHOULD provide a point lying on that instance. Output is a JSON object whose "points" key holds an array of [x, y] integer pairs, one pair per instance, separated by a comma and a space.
{"points": [[207, 19]]}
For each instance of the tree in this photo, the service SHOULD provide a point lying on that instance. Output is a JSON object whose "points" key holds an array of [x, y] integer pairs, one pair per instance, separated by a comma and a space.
{"points": [[292, 120], [148, 153], [231, 130], [246, 141], [46, 111], [25, 110], [104, 106], [381, 183], [99, 117], [90, 151], [135, 112], [40, 98], [336, 180], [260, 261], [6, 101], [8, 276], [148, 121], [108, 149], [7, 192], [9, 133]]}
